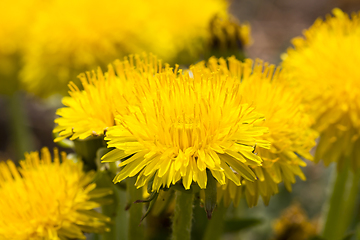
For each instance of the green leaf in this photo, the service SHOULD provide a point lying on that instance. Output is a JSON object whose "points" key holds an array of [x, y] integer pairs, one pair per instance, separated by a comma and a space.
{"points": [[151, 205]]}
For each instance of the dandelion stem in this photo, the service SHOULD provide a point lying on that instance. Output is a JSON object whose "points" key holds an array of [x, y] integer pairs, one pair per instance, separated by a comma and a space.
{"points": [[135, 212], [115, 210], [215, 225], [182, 221], [340, 211], [350, 206], [88, 149]]}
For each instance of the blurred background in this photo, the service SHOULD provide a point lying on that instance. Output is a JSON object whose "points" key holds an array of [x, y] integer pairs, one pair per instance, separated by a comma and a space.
{"points": [[273, 24]]}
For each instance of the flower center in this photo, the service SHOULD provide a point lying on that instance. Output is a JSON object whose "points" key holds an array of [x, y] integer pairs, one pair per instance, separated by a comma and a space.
{"points": [[186, 132]]}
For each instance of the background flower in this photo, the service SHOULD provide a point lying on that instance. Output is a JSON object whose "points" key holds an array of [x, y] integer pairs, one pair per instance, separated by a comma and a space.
{"points": [[293, 224], [71, 37], [15, 19], [323, 65]]}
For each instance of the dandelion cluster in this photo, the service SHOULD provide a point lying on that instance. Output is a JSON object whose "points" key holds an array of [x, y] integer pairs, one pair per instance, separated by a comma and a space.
{"points": [[221, 129], [239, 122], [48, 200], [323, 65]]}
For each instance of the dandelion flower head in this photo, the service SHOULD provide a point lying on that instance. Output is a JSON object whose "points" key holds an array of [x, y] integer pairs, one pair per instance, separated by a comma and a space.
{"points": [[48, 200], [289, 127], [89, 112], [186, 123], [323, 65]]}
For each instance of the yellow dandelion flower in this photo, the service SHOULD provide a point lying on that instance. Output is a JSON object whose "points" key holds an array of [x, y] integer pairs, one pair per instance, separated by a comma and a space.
{"points": [[89, 112], [48, 200], [289, 127], [323, 65], [183, 125], [71, 37]]}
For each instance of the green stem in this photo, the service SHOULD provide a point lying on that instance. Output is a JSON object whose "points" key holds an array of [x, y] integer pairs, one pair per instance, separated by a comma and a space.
{"points": [[115, 210], [350, 204], [183, 216], [20, 132], [135, 229], [87, 149], [341, 206], [215, 225]]}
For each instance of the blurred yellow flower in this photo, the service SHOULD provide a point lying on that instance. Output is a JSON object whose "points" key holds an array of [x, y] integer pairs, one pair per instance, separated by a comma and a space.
{"points": [[183, 125], [15, 17], [71, 37], [290, 132], [293, 224], [48, 200], [323, 65]]}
